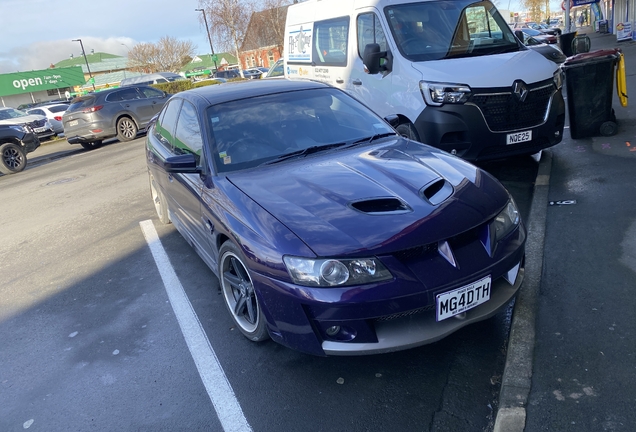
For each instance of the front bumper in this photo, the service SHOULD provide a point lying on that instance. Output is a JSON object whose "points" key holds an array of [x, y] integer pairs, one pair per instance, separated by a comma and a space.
{"points": [[30, 142], [390, 316], [464, 131]]}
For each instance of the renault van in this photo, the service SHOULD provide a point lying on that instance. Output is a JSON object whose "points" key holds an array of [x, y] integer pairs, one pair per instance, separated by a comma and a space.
{"points": [[452, 71]]}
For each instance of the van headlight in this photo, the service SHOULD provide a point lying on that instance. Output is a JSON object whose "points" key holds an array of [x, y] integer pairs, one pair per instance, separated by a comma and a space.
{"points": [[438, 94], [331, 272], [558, 79], [505, 222]]}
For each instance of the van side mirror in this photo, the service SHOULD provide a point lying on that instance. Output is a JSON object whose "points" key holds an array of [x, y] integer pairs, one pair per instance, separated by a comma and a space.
{"points": [[376, 61]]}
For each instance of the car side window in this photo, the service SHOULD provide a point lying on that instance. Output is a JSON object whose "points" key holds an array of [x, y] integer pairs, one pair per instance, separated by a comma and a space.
{"points": [[36, 111], [330, 42], [370, 31], [150, 92], [129, 94], [188, 134], [166, 123]]}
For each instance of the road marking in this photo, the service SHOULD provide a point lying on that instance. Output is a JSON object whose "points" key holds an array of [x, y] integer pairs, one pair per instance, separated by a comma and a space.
{"points": [[218, 387]]}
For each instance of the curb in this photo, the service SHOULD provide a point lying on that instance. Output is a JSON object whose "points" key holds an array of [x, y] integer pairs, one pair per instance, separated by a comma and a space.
{"points": [[517, 375]]}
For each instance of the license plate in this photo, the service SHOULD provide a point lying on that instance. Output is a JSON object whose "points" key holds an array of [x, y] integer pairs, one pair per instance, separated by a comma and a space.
{"points": [[460, 300], [518, 137], [73, 123], [38, 130]]}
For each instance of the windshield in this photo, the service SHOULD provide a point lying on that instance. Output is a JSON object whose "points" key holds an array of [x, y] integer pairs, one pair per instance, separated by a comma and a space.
{"points": [[249, 132], [11, 113], [437, 30]]}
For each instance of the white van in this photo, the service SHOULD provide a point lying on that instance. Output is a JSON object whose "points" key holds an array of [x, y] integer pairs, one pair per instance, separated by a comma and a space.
{"points": [[451, 70]]}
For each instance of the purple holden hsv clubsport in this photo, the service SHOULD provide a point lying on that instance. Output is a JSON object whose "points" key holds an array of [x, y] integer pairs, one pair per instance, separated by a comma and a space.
{"points": [[328, 231]]}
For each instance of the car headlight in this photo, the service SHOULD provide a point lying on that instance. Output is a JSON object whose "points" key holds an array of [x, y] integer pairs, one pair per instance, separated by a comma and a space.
{"points": [[438, 94], [329, 272], [558, 79], [505, 222], [19, 128]]}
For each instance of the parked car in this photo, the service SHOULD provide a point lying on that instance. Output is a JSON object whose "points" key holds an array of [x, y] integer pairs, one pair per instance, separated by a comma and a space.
{"points": [[53, 113], [15, 142], [540, 36], [329, 232], [39, 123], [253, 73], [227, 74], [120, 112], [277, 70], [543, 28]]}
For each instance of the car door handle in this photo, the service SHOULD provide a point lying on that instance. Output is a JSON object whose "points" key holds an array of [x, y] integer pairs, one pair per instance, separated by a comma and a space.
{"points": [[339, 80], [356, 82]]}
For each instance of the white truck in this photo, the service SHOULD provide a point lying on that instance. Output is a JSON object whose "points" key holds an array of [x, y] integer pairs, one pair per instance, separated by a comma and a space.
{"points": [[451, 70]]}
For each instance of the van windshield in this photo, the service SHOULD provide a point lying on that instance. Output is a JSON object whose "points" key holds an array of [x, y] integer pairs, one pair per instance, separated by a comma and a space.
{"points": [[436, 30]]}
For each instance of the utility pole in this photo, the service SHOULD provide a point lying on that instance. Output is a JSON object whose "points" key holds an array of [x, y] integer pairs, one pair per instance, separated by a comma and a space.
{"points": [[205, 20], [86, 60]]}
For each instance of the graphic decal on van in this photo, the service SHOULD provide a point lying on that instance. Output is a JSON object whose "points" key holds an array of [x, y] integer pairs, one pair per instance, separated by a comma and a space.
{"points": [[299, 46]]}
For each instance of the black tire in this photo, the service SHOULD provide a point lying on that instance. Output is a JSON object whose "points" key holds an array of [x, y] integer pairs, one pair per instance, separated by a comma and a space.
{"points": [[12, 158], [126, 129], [159, 200], [91, 145], [239, 294], [407, 131]]}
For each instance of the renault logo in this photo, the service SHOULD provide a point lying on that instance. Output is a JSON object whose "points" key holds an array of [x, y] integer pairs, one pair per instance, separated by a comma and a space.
{"points": [[520, 90]]}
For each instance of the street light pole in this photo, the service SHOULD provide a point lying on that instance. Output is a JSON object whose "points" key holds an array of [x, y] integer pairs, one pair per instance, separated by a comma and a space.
{"points": [[205, 20], [86, 60], [127, 59]]}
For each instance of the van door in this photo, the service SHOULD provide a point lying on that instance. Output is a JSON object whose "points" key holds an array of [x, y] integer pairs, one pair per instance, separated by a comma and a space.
{"points": [[374, 90], [319, 50]]}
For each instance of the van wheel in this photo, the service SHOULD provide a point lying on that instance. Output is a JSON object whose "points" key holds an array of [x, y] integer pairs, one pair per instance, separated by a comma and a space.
{"points": [[407, 131], [91, 145], [126, 129], [12, 158]]}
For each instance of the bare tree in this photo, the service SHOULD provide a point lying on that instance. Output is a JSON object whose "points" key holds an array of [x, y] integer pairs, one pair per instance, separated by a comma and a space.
{"points": [[535, 9], [228, 20], [167, 55]]}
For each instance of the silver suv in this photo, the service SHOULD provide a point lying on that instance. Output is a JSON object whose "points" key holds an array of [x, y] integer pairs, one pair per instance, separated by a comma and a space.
{"points": [[119, 112]]}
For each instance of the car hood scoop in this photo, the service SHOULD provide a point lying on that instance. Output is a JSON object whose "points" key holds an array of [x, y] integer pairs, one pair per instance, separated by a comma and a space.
{"points": [[381, 198]]}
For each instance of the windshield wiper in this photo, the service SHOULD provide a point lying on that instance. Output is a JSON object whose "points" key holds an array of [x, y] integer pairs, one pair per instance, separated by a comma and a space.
{"points": [[304, 152], [372, 138]]}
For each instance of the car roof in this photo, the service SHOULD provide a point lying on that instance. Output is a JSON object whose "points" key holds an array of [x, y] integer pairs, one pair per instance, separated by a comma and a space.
{"points": [[247, 89]]}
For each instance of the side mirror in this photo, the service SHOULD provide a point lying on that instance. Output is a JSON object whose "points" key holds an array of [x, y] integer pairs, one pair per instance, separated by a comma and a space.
{"points": [[186, 164], [519, 35], [372, 59], [393, 120]]}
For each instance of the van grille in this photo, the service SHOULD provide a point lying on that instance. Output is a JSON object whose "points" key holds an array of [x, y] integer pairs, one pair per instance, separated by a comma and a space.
{"points": [[504, 112]]}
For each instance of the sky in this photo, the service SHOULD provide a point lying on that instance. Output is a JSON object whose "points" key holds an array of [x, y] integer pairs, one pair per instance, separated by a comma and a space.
{"points": [[36, 33]]}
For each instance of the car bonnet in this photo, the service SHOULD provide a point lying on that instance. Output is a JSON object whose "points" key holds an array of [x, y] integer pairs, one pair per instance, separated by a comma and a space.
{"points": [[381, 198]]}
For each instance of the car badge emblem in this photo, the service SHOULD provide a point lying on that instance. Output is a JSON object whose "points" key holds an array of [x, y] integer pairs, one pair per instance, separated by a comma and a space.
{"points": [[520, 90]]}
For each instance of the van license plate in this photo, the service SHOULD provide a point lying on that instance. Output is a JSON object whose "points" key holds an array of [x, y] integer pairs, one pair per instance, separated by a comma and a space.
{"points": [[515, 138], [73, 123], [460, 300]]}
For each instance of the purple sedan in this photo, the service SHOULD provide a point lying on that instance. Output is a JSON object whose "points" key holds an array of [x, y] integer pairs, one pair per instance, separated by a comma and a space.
{"points": [[329, 232]]}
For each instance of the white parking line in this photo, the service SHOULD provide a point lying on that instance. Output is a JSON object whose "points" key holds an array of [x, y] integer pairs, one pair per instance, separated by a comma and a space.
{"points": [[219, 389]]}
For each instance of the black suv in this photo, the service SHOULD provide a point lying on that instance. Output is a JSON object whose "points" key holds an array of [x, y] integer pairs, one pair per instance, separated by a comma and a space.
{"points": [[15, 142]]}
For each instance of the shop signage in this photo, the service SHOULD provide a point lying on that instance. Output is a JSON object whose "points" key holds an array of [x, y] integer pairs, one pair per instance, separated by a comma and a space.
{"points": [[623, 31], [47, 79]]}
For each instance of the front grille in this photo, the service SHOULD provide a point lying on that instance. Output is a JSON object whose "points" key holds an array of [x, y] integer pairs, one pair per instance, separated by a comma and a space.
{"points": [[504, 112], [415, 253]]}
